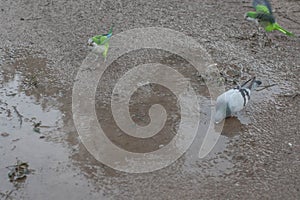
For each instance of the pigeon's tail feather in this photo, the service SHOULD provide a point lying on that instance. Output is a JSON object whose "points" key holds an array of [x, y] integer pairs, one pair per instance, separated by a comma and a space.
{"points": [[251, 84], [279, 28]]}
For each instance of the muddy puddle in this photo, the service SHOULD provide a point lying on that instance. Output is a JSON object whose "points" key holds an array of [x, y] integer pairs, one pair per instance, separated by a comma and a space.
{"points": [[58, 159]]}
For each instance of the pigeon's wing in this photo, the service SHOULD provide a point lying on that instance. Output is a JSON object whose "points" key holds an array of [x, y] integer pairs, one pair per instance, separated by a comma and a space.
{"points": [[223, 101], [225, 96], [222, 106], [236, 101], [262, 6]]}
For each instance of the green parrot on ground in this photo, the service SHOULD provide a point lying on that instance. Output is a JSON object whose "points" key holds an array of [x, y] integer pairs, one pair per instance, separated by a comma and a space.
{"points": [[100, 41], [264, 17]]}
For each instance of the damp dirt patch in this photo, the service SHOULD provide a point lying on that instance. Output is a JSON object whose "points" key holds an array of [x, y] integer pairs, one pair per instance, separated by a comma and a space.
{"points": [[43, 44]]}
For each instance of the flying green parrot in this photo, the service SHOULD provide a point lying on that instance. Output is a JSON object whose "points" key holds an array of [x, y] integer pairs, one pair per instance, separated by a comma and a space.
{"points": [[100, 41], [264, 17]]}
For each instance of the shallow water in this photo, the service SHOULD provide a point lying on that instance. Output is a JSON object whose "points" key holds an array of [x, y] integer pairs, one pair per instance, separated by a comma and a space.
{"points": [[57, 158]]}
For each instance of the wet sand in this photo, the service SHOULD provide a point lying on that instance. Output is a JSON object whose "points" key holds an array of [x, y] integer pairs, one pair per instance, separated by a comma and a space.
{"points": [[43, 44]]}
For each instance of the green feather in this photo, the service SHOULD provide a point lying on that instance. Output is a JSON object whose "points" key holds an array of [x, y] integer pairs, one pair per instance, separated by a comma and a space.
{"points": [[269, 27], [100, 39], [111, 29], [279, 28], [262, 9], [253, 15], [265, 17], [106, 46]]}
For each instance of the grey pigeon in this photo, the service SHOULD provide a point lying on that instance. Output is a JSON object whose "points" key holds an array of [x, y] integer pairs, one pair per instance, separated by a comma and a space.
{"points": [[234, 99]]}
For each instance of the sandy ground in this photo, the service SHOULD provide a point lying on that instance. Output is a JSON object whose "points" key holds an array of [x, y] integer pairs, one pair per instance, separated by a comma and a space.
{"points": [[43, 44]]}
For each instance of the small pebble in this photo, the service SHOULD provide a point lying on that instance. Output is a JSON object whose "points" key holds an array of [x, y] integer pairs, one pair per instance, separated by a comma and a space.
{"points": [[290, 144], [4, 134]]}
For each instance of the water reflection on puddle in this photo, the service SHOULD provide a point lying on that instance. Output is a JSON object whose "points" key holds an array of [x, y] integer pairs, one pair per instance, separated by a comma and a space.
{"points": [[23, 104], [60, 162]]}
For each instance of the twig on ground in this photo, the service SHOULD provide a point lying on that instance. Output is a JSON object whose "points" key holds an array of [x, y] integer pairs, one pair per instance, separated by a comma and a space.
{"points": [[293, 96], [19, 115], [267, 86], [8, 194]]}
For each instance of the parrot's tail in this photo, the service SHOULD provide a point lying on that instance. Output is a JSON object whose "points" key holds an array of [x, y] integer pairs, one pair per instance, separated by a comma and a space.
{"points": [[279, 28], [111, 29]]}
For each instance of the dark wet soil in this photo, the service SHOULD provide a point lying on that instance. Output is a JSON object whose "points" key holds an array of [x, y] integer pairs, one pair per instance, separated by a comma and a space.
{"points": [[43, 44]]}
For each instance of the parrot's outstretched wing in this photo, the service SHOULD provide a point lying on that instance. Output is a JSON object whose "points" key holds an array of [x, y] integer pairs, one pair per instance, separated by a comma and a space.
{"points": [[262, 6], [100, 39]]}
